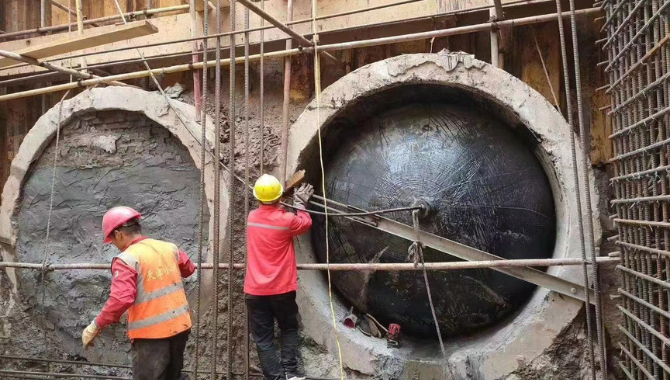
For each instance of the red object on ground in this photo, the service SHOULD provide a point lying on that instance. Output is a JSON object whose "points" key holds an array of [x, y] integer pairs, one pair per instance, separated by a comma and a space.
{"points": [[271, 267]]}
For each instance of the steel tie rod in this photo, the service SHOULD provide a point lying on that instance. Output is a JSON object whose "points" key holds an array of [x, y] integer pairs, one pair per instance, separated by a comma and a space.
{"points": [[465, 252]]}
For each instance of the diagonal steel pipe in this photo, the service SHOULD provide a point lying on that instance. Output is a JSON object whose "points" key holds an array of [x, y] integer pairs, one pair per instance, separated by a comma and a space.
{"points": [[304, 42]]}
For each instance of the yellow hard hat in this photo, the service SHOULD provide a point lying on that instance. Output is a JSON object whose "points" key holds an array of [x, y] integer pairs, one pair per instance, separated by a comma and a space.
{"points": [[268, 188]]}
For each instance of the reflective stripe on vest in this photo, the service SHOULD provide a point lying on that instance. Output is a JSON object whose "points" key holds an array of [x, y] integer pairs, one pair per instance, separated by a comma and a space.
{"points": [[160, 309], [268, 226]]}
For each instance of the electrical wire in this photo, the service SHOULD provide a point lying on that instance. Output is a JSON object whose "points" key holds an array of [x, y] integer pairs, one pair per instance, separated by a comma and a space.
{"points": [[317, 85]]}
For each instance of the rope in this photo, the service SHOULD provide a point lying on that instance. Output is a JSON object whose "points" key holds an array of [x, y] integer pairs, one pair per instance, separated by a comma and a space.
{"points": [[415, 254], [317, 85], [51, 205], [366, 213]]}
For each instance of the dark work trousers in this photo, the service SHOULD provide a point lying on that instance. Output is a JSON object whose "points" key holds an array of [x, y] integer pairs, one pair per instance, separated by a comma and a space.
{"points": [[263, 310], [159, 359]]}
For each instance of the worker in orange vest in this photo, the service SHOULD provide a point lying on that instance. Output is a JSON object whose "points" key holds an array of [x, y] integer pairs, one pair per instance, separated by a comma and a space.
{"points": [[146, 282], [272, 276]]}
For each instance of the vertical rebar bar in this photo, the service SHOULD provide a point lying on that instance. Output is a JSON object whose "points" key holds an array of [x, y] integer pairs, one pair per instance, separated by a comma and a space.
{"points": [[217, 193], [578, 197], [587, 192], [287, 99], [203, 197], [246, 176], [262, 95], [231, 183]]}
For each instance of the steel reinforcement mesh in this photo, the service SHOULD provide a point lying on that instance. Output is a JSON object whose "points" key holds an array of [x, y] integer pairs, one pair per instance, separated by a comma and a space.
{"points": [[638, 67]]}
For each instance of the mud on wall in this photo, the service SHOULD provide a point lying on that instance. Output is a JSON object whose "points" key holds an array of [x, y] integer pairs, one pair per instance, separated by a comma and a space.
{"points": [[104, 159]]}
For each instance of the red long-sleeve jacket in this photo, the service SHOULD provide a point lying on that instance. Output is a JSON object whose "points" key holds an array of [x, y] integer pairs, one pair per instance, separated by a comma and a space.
{"points": [[124, 290], [271, 263]]}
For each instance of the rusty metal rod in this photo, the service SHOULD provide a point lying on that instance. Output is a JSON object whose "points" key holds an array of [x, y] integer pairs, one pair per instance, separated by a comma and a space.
{"points": [[281, 26], [642, 122], [351, 266], [644, 223], [635, 152], [639, 33], [637, 362], [646, 350], [656, 198], [52, 67], [645, 303], [643, 248], [284, 53], [643, 276], [642, 92], [483, 27]]}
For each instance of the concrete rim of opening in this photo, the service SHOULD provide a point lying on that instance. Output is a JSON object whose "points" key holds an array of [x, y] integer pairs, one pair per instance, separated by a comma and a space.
{"points": [[493, 354], [125, 99]]}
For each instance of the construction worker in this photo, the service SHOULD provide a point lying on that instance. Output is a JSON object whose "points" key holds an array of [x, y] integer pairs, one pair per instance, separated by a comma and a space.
{"points": [[272, 276], [146, 282]]}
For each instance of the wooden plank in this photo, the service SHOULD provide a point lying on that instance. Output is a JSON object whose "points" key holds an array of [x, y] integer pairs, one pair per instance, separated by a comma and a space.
{"points": [[89, 39], [200, 4]]}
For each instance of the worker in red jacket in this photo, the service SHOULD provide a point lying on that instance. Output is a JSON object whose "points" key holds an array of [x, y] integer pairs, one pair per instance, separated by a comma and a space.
{"points": [[272, 276], [146, 282]]}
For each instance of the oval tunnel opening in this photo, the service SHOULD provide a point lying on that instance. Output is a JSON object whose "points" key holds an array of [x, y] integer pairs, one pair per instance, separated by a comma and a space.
{"points": [[467, 157]]}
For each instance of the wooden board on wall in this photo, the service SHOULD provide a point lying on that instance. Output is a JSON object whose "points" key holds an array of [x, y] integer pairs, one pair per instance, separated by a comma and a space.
{"points": [[103, 8]]}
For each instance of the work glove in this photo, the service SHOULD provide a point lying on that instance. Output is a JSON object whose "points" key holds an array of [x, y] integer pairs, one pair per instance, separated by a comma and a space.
{"points": [[89, 334], [302, 195]]}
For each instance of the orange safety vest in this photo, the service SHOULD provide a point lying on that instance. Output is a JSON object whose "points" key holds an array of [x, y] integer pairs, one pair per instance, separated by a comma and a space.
{"points": [[161, 309]]}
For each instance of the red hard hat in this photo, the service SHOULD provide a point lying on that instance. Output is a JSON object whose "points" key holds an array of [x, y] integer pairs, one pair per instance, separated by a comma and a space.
{"points": [[116, 217]]}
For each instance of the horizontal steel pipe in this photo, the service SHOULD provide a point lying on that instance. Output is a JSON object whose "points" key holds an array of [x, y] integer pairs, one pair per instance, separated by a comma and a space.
{"points": [[52, 67], [354, 266], [284, 53], [484, 27], [140, 74]]}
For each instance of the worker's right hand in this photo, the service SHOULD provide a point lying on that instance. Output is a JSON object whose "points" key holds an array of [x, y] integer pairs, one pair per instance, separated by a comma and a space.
{"points": [[302, 195], [89, 334]]}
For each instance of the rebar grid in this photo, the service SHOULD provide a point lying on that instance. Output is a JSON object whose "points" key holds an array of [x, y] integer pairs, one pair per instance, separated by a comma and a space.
{"points": [[638, 69]]}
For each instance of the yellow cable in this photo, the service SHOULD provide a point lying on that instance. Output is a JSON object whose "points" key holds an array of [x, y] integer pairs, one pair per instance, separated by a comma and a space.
{"points": [[317, 85]]}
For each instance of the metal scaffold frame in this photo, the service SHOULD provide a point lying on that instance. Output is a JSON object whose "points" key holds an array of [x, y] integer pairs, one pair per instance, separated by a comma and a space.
{"points": [[639, 139]]}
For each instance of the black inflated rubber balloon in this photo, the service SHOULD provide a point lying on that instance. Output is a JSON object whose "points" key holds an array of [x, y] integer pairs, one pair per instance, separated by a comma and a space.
{"points": [[485, 188]]}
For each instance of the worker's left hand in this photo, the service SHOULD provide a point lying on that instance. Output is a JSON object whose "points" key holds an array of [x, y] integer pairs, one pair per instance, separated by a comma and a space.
{"points": [[302, 195], [89, 334]]}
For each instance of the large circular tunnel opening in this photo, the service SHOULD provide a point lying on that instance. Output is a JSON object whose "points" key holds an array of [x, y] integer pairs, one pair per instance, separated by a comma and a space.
{"points": [[473, 163], [103, 159]]}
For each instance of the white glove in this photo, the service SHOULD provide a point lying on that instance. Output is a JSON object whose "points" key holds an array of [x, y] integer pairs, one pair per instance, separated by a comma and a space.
{"points": [[302, 195], [89, 334]]}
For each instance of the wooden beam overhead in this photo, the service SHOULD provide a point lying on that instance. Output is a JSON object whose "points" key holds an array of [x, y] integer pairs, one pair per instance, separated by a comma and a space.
{"points": [[89, 39], [200, 4]]}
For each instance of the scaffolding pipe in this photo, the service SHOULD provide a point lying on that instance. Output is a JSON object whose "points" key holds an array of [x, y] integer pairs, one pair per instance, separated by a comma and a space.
{"points": [[146, 13], [349, 266], [139, 74], [263, 28], [284, 53], [281, 26], [286, 100], [52, 67]]}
